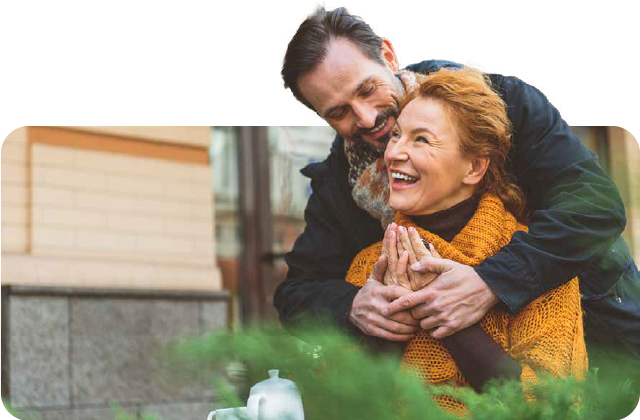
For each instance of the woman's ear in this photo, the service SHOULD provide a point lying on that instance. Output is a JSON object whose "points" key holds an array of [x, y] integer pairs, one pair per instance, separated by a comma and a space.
{"points": [[389, 55], [476, 171]]}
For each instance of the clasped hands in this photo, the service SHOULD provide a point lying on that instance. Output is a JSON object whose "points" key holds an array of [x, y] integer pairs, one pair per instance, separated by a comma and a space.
{"points": [[413, 288]]}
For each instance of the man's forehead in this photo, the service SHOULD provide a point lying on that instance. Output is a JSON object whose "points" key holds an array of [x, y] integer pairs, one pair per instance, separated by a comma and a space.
{"points": [[339, 75]]}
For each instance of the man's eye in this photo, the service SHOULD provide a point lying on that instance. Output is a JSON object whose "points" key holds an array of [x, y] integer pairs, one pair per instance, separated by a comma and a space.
{"points": [[368, 90], [337, 114]]}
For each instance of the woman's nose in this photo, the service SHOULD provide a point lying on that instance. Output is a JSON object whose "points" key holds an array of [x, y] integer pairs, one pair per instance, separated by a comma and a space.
{"points": [[396, 150]]}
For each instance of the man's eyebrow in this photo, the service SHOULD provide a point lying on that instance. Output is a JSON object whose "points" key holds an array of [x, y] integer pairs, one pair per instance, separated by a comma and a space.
{"points": [[364, 82], [355, 92]]}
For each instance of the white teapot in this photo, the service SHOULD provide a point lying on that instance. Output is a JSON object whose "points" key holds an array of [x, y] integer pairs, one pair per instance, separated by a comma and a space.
{"points": [[271, 399]]}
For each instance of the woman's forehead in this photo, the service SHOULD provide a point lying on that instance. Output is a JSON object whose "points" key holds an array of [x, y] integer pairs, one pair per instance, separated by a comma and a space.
{"points": [[427, 112]]}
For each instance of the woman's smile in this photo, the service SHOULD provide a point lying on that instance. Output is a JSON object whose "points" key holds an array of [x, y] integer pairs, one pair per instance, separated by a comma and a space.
{"points": [[402, 180], [427, 171]]}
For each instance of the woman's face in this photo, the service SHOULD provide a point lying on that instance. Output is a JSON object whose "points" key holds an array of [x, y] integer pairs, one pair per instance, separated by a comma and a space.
{"points": [[427, 172]]}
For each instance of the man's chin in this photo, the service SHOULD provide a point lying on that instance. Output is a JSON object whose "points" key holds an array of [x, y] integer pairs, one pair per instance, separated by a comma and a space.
{"points": [[379, 142]]}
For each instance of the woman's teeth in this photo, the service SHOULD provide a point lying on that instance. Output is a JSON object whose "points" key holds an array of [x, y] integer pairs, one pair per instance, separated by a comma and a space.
{"points": [[397, 175]]}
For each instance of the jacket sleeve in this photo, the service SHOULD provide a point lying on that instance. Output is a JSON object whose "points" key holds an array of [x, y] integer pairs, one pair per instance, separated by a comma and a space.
{"points": [[315, 288], [577, 212]]}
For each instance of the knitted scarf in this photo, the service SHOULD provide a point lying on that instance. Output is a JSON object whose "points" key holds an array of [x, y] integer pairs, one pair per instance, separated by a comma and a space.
{"points": [[367, 171], [545, 335]]}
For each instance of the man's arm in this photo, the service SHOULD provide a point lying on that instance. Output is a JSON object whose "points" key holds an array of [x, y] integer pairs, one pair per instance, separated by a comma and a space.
{"points": [[314, 288], [577, 212]]}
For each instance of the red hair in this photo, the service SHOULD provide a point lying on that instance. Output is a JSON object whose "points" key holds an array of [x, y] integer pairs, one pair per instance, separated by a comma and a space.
{"points": [[481, 123]]}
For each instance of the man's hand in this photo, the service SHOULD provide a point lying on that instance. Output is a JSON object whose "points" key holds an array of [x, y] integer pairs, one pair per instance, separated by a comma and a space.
{"points": [[373, 297], [457, 299]]}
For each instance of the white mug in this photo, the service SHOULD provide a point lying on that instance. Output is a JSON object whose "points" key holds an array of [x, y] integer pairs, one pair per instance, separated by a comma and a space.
{"points": [[235, 413]]}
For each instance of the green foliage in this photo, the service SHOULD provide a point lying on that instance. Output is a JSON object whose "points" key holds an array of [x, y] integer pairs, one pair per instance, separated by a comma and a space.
{"points": [[337, 380], [120, 413]]}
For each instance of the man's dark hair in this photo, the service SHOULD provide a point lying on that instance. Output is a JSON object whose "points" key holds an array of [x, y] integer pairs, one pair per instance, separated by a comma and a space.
{"points": [[308, 47]]}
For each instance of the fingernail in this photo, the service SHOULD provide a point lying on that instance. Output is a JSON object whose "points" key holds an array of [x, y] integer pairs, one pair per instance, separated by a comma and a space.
{"points": [[385, 311], [411, 229], [415, 266], [401, 229]]}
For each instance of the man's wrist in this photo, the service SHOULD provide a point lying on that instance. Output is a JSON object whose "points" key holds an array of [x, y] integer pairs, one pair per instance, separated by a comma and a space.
{"points": [[348, 324], [495, 299]]}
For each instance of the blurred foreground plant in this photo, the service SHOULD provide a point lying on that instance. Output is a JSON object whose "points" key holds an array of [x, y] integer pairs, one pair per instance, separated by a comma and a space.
{"points": [[337, 380]]}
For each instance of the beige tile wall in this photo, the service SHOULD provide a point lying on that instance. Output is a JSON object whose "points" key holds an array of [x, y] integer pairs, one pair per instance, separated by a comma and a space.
{"points": [[15, 194], [92, 218], [125, 207]]}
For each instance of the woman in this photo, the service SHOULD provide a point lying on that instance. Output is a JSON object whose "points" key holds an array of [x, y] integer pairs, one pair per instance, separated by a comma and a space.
{"points": [[448, 184]]}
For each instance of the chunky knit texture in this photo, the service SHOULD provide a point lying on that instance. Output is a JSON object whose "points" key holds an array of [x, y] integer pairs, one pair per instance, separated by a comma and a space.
{"points": [[546, 335]]}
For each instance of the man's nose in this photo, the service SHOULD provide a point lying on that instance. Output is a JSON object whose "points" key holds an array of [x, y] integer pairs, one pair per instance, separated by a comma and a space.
{"points": [[366, 115]]}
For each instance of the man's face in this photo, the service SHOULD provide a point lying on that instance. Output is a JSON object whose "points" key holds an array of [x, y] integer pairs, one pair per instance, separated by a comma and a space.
{"points": [[357, 96]]}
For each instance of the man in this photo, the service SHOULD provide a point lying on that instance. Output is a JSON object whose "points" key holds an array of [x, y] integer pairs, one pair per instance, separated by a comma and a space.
{"points": [[337, 66]]}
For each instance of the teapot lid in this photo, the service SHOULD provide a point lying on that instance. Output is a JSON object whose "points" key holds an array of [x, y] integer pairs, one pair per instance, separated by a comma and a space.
{"points": [[274, 382]]}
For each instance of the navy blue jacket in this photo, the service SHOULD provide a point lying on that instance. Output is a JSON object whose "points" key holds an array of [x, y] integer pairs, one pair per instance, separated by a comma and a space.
{"points": [[577, 218]]}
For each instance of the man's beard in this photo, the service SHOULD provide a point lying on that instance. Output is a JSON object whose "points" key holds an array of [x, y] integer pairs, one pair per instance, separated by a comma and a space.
{"points": [[361, 153], [381, 141]]}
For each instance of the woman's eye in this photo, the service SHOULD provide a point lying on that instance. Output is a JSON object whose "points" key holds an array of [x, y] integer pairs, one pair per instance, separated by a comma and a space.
{"points": [[422, 139], [395, 133]]}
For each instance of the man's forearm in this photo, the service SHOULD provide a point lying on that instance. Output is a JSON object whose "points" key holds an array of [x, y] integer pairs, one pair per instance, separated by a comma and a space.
{"points": [[563, 239], [299, 301], [577, 212]]}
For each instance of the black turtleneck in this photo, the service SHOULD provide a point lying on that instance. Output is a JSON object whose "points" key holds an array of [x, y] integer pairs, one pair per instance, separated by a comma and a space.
{"points": [[448, 223]]}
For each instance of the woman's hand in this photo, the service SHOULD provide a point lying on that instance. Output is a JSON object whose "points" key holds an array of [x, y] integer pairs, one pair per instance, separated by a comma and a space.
{"points": [[410, 240], [403, 247], [398, 261]]}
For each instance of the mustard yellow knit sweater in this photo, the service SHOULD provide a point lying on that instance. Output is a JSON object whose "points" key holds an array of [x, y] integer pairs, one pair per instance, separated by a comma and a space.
{"points": [[546, 335]]}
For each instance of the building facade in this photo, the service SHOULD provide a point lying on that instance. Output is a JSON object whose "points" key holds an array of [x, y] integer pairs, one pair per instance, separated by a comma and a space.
{"points": [[108, 253]]}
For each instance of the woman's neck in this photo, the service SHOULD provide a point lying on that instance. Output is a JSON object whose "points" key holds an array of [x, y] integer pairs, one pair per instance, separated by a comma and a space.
{"points": [[448, 223]]}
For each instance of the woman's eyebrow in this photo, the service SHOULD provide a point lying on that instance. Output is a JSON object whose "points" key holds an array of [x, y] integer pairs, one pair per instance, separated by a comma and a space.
{"points": [[421, 129]]}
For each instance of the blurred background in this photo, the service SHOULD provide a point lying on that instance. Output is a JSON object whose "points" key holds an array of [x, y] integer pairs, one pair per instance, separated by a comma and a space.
{"points": [[117, 240]]}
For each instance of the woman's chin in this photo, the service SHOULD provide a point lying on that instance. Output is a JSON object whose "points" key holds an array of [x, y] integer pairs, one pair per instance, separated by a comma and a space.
{"points": [[401, 205]]}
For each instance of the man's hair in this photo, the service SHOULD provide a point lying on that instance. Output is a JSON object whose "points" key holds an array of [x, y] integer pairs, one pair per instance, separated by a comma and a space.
{"points": [[308, 47], [483, 129]]}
